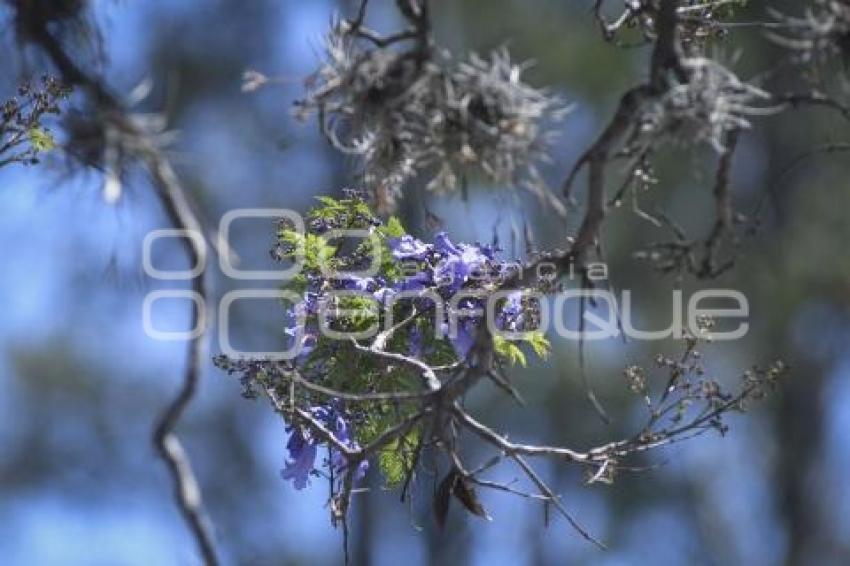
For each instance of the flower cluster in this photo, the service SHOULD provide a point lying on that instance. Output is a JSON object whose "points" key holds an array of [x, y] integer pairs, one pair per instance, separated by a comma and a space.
{"points": [[424, 301], [382, 365], [406, 113], [303, 447]]}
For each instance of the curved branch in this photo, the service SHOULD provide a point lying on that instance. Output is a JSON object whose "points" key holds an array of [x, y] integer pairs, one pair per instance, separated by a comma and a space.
{"points": [[178, 207]]}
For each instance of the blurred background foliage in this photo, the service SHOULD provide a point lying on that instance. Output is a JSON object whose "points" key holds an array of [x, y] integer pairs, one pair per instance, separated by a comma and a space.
{"points": [[80, 384]]}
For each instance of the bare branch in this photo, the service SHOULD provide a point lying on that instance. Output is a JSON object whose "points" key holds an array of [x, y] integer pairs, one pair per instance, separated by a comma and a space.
{"points": [[177, 206]]}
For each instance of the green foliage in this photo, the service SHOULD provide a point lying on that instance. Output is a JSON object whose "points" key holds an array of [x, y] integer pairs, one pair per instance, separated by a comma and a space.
{"points": [[348, 212], [361, 313], [41, 140], [510, 352], [315, 249], [338, 364], [394, 228], [539, 343], [397, 458]]}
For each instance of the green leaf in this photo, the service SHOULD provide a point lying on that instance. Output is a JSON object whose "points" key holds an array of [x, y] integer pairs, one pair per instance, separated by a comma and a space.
{"points": [[328, 201], [316, 248], [397, 458], [540, 344], [361, 312], [394, 228], [509, 351], [41, 140]]}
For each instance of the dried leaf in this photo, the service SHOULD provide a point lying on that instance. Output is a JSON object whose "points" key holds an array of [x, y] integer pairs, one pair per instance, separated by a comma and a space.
{"points": [[443, 497], [465, 492]]}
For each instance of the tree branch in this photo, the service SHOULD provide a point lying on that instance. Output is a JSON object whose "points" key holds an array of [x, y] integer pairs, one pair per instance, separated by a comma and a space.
{"points": [[177, 206]]}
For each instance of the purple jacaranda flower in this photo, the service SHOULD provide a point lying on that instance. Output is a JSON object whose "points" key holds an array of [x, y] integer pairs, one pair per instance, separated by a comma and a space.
{"points": [[467, 317], [512, 315], [303, 448], [488, 251], [355, 283], [454, 270], [463, 338], [458, 261], [449, 274], [414, 348], [473, 257], [338, 426], [408, 247], [513, 304], [384, 295], [444, 245], [308, 343], [301, 461], [417, 282], [338, 460], [296, 328], [296, 315], [311, 303]]}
